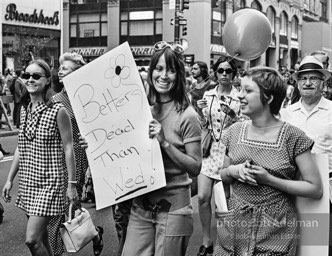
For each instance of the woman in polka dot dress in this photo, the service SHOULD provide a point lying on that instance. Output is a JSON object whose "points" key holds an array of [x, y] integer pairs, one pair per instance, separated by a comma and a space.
{"points": [[263, 158], [44, 134], [219, 108]]}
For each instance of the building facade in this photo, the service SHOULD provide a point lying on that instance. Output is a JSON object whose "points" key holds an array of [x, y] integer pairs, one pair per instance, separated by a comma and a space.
{"points": [[93, 27], [29, 29]]}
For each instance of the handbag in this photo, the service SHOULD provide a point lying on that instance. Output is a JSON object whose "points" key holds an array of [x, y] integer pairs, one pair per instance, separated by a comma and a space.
{"points": [[79, 231], [206, 141]]}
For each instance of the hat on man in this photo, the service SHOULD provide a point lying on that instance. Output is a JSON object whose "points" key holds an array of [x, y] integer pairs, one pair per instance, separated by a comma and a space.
{"points": [[310, 63]]}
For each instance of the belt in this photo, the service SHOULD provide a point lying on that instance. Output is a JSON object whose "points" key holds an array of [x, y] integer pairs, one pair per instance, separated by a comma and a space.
{"points": [[162, 206]]}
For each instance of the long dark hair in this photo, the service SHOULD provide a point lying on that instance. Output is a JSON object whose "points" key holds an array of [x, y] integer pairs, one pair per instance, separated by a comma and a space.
{"points": [[173, 61], [48, 92]]}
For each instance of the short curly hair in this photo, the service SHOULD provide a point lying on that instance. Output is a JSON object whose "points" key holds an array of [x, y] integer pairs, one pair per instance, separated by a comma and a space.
{"points": [[74, 57]]}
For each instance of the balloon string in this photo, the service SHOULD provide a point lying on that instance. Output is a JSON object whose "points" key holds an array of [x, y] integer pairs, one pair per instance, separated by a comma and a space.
{"points": [[206, 79]]}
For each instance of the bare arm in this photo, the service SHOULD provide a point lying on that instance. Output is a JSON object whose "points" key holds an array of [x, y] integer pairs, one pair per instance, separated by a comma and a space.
{"points": [[190, 161], [65, 129], [309, 186], [11, 176]]}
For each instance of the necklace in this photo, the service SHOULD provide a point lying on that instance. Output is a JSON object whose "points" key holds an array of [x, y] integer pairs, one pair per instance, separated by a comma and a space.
{"points": [[164, 102]]}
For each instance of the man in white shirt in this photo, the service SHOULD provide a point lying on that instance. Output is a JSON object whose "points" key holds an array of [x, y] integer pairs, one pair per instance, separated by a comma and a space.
{"points": [[312, 113]]}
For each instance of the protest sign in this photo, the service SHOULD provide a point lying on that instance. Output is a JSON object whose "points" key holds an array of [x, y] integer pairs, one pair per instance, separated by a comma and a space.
{"points": [[113, 114]]}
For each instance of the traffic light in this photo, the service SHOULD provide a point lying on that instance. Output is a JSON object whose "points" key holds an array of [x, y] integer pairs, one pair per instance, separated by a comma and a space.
{"points": [[184, 30], [184, 4]]}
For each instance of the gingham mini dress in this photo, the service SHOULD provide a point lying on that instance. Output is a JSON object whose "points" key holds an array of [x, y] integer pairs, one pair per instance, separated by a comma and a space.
{"points": [[41, 179]]}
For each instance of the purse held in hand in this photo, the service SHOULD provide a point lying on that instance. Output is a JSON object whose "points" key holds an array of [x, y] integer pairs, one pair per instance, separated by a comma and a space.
{"points": [[78, 232]]}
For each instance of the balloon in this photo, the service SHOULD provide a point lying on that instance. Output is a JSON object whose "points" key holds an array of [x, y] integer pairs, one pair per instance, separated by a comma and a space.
{"points": [[247, 34]]}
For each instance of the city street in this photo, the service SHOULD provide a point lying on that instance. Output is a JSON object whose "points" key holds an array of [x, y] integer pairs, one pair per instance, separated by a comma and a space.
{"points": [[13, 227]]}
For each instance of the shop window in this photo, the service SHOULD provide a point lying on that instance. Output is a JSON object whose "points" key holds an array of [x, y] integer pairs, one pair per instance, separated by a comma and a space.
{"points": [[271, 15], [295, 25], [283, 24]]}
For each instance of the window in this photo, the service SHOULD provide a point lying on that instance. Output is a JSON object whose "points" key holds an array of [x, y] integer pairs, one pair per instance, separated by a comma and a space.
{"points": [[283, 24], [271, 15], [256, 5], [239, 4], [216, 23], [141, 23], [323, 8], [88, 24], [295, 25]]}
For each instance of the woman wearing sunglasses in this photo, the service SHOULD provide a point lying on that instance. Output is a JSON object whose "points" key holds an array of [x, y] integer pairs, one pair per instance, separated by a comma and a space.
{"points": [[218, 109], [69, 62], [161, 221], [45, 134]]}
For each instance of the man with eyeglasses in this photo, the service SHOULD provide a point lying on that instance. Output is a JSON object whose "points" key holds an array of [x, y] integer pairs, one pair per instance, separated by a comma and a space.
{"points": [[313, 113]]}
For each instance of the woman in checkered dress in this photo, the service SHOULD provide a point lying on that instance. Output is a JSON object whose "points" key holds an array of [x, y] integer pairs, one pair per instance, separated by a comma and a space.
{"points": [[44, 134], [263, 159]]}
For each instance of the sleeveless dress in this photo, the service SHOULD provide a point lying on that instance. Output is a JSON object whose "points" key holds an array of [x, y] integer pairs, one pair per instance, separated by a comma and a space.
{"points": [[41, 173], [81, 164]]}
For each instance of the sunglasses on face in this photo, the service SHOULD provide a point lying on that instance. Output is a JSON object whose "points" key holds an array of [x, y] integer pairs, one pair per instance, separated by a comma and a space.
{"points": [[174, 47], [35, 76], [312, 79], [227, 70]]}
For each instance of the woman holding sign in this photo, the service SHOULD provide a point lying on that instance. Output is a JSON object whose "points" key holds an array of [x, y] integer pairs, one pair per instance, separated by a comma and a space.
{"points": [[161, 221], [44, 136], [264, 157]]}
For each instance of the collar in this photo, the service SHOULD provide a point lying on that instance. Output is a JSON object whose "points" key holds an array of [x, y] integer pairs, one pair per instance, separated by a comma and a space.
{"points": [[322, 104], [233, 94], [41, 106]]}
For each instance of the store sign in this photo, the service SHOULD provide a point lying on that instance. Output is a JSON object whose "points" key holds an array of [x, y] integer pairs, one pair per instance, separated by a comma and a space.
{"points": [[216, 48], [87, 52], [14, 15], [38, 13], [142, 51]]}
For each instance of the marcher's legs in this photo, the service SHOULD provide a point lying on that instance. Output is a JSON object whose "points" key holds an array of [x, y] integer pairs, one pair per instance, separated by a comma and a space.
{"points": [[121, 214], [173, 232], [54, 234], [140, 233], [205, 188], [36, 236]]}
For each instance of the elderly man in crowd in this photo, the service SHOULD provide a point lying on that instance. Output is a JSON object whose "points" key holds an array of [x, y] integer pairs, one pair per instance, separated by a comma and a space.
{"points": [[313, 113]]}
